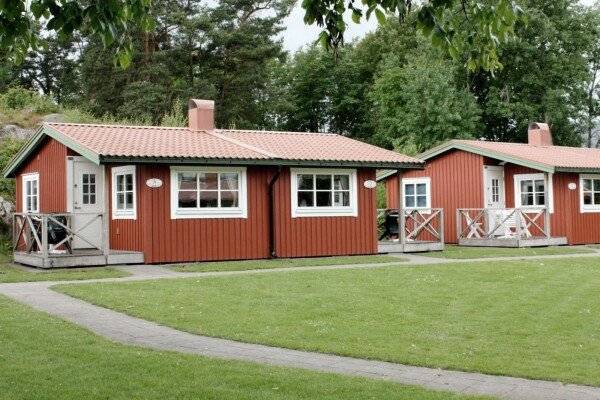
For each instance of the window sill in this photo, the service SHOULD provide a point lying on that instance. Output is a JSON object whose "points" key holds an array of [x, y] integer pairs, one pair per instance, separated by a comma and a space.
{"points": [[130, 215], [589, 210], [315, 212], [220, 213]]}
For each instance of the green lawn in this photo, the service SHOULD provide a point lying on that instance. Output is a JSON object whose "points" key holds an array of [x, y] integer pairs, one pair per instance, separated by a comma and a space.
{"points": [[13, 273], [283, 263], [47, 358], [538, 319], [463, 252]]}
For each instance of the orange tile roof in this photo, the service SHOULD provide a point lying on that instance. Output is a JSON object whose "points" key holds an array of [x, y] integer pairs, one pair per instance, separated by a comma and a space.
{"points": [[161, 142], [554, 156]]}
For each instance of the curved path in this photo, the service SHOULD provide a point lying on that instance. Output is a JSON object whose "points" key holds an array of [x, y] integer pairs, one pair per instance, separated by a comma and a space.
{"points": [[130, 330]]}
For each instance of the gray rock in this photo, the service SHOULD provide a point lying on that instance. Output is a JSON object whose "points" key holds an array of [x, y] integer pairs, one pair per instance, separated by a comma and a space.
{"points": [[53, 118], [15, 132], [7, 210]]}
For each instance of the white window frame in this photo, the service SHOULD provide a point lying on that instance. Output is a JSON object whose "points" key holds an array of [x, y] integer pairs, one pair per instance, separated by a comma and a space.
{"points": [[123, 214], [416, 181], [585, 208], [548, 186], [215, 212], [30, 177], [314, 211]]}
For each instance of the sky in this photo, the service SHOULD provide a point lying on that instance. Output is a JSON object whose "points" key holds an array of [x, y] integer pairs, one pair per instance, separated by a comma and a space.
{"points": [[299, 34]]}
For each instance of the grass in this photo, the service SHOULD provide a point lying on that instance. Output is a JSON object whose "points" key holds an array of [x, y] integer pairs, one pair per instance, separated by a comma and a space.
{"points": [[283, 263], [12, 273], [47, 358], [463, 252], [535, 319]]}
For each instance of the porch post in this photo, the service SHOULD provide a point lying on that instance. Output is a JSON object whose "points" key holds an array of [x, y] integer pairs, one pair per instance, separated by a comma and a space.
{"points": [[106, 213], [442, 241], [518, 221], [44, 237], [549, 197], [401, 220]]}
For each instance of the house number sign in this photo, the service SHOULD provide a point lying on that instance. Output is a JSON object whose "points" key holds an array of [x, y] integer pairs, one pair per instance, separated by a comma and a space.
{"points": [[154, 183], [370, 184]]}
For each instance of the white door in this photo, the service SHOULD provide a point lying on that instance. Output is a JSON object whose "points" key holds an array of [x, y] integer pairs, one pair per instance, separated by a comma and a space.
{"points": [[87, 197], [493, 178]]}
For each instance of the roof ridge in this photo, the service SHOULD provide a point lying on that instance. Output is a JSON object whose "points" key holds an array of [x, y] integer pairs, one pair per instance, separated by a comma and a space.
{"points": [[525, 144], [243, 144], [118, 125], [280, 132]]}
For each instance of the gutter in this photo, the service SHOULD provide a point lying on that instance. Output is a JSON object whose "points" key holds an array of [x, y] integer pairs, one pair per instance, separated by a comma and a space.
{"points": [[272, 181]]}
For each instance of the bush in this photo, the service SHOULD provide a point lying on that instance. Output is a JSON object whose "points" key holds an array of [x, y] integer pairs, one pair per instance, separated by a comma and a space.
{"points": [[18, 98], [8, 149]]}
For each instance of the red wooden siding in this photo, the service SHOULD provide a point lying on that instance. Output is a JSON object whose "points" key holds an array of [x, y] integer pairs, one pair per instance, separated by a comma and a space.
{"points": [[165, 240], [50, 162], [320, 236], [456, 182]]}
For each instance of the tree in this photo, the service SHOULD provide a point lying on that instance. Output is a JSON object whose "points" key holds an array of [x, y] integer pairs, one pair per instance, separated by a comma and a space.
{"points": [[470, 28], [107, 20], [418, 105], [544, 74]]}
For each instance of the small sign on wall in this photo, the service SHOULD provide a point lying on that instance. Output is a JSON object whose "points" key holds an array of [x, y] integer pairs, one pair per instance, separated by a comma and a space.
{"points": [[572, 186], [154, 183], [370, 184]]}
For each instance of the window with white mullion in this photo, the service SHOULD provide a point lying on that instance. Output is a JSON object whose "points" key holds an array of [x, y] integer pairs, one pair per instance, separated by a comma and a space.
{"points": [[590, 193], [31, 196]]}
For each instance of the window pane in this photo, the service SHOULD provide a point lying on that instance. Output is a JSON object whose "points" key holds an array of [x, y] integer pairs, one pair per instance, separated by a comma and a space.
{"points": [[539, 186], [209, 199], [596, 198], [229, 198], [229, 181], [305, 182], [597, 185], [587, 184], [409, 189], [208, 181], [323, 199], [341, 199], [93, 188], [92, 178], [120, 179], [34, 203], [85, 179], [86, 199], [305, 199], [410, 201], [526, 199], [526, 186], [187, 199], [187, 181], [341, 182], [421, 201], [27, 188], [421, 188], [587, 198], [323, 182], [129, 201], [92, 199], [540, 199], [120, 201], [129, 182], [34, 186], [28, 206]]}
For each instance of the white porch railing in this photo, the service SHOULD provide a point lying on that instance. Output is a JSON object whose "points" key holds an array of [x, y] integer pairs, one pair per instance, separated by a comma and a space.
{"points": [[44, 233], [414, 225], [502, 223]]}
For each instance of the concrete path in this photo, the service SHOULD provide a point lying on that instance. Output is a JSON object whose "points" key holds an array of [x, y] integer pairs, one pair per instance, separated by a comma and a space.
{"points": [[130, 330]]}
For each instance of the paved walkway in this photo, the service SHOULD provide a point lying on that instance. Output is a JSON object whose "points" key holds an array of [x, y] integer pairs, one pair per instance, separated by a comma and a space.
{"points": [[130, 330]]}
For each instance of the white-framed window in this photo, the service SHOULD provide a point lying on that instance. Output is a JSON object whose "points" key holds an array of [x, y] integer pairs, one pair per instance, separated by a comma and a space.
{"points": [[416, 193], [124, 202], [589, 193], [208, 192], [323, 192], [533, 191], [31, 192]]}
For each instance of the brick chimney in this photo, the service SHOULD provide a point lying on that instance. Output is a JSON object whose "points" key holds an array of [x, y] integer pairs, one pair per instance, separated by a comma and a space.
{"points": [[201, 114], [539, 134]]}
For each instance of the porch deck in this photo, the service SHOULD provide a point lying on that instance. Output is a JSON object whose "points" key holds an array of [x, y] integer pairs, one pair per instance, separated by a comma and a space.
{"points": [[50, 241], [78, 258], [412, 230], [505, 227]]}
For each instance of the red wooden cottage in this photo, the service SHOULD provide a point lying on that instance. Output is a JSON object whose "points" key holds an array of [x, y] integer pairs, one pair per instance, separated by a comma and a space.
{"points": [[103, 194], [507, 194]]}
